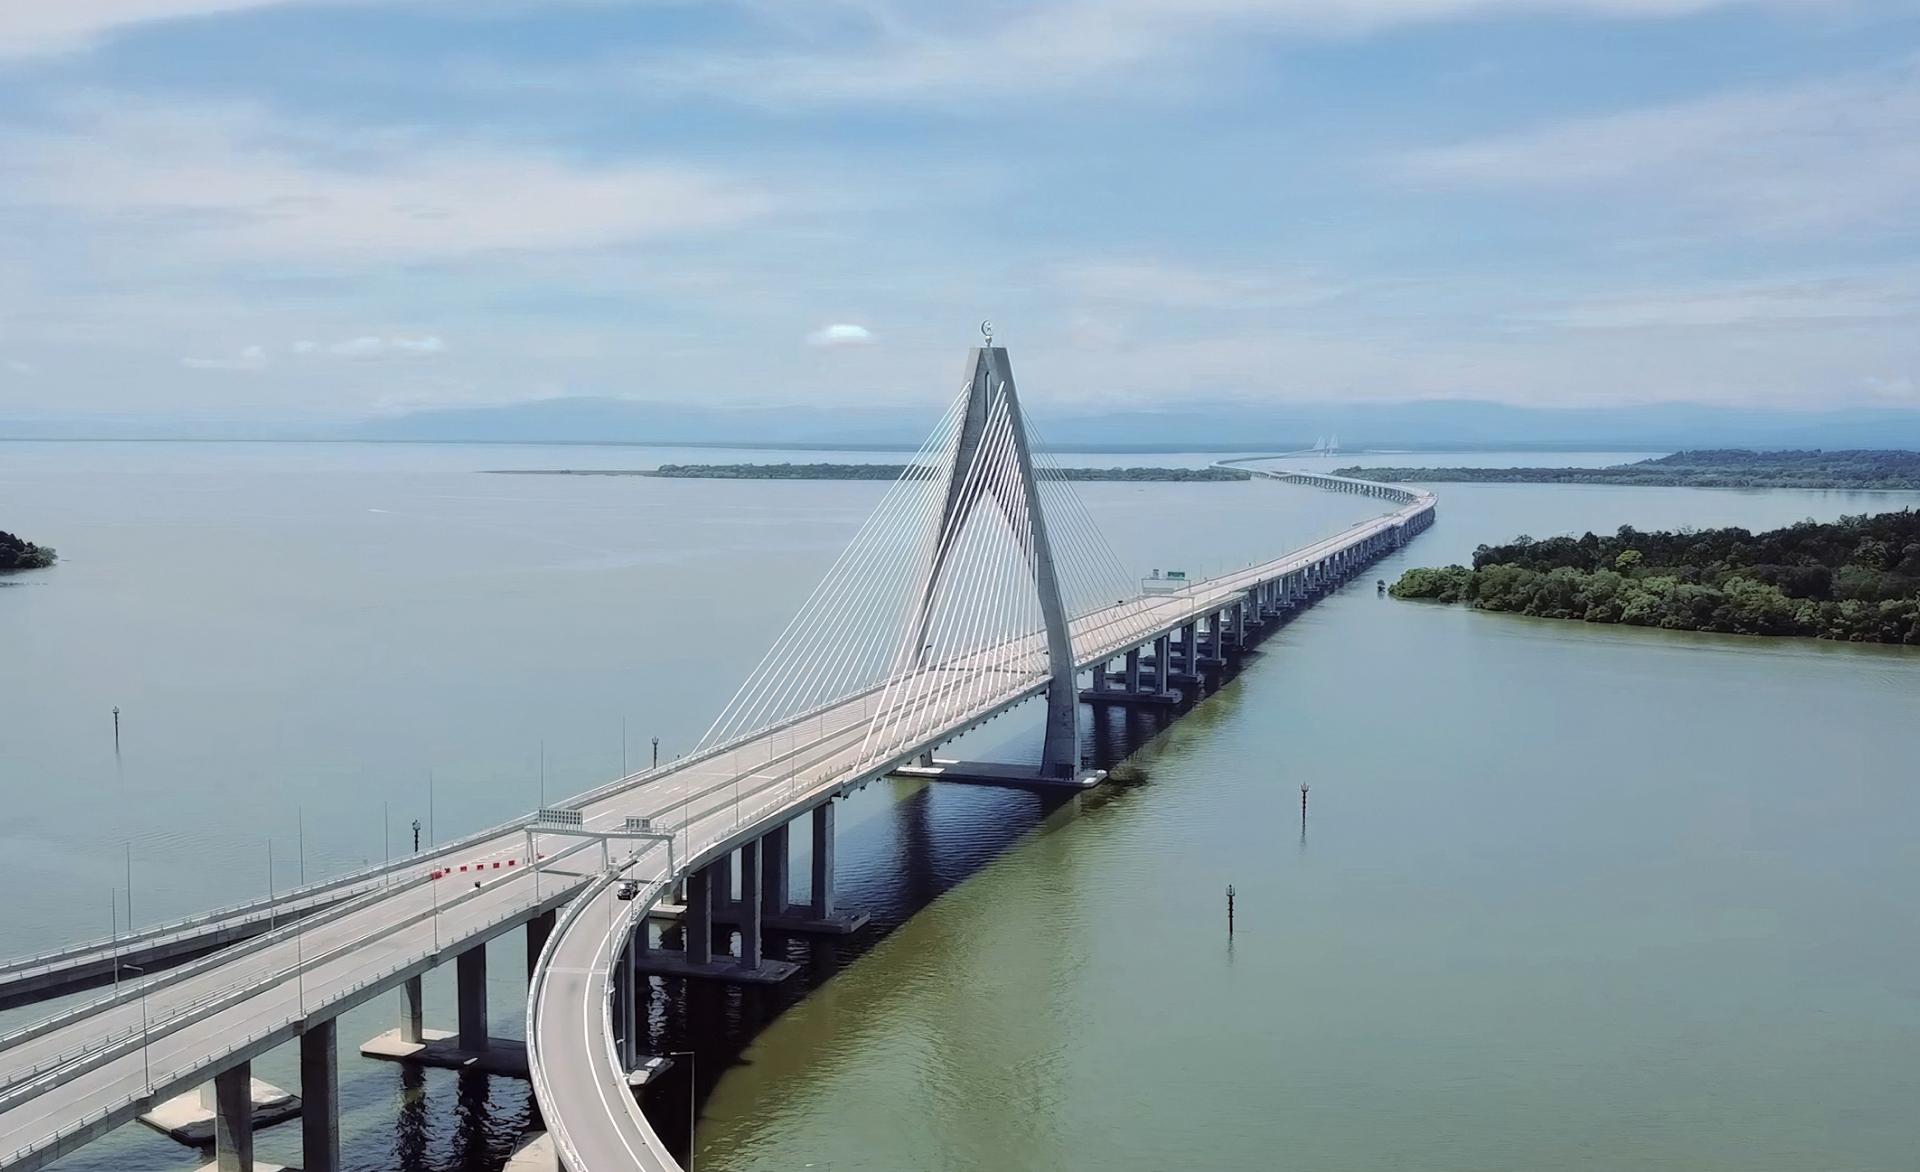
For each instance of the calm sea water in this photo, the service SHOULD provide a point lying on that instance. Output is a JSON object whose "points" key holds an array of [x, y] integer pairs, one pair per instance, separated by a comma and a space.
{"points": [[1565, 897]]}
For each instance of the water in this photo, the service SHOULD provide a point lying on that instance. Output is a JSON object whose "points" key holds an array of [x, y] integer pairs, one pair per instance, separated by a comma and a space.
{"points": [[1577, 897]]}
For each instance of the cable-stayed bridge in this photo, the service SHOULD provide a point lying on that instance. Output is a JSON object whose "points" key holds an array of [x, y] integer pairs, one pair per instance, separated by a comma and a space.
{"points": [[979, 583]]}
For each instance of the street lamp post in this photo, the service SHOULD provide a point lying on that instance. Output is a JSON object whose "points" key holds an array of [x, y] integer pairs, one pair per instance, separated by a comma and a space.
{"points": [[299, 925], [146, 1069]]}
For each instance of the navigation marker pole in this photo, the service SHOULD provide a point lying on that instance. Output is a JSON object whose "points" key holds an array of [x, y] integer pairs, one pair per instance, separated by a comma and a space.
{"points": [[1229, 911], [116, 730], [693, 1096]]}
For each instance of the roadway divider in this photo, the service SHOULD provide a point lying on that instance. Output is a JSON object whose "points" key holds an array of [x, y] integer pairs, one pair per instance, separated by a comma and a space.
{"points": [[69, 1065], [185, 1077], [131, 989], [20, 966]]}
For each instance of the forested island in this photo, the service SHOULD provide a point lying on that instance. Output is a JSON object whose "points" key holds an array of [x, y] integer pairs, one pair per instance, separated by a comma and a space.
{"points": [[1711, 468], [873, 472], [1855, 579], [17, 553]]}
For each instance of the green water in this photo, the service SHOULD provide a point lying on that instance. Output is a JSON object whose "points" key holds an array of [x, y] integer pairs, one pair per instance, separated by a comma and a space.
{"points": [[1566, 897]]}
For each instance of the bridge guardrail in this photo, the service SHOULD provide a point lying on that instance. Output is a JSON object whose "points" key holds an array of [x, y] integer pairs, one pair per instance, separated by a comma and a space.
{"points": [[21, 966], [196, 1070], [93, 1055]]}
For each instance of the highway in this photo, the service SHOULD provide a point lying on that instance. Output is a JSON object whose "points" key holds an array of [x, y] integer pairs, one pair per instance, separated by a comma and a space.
{"points": [[593, 1117]]}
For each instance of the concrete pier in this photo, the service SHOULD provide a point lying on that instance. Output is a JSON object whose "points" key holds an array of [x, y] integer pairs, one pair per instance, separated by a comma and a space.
{"points": [[821, 899], [320, 1097], [413, 1018], [777, 873], [444, 1049], [749, 905], [233, 1119], [699, 922], [470, 972], [538, 929], [698, 960], [1008, 776], [189, 1118]]}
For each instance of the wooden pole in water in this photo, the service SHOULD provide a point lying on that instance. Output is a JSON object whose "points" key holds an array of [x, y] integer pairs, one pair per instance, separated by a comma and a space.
{"points": [[116, 730], [1229, 911], [1303, 805]]}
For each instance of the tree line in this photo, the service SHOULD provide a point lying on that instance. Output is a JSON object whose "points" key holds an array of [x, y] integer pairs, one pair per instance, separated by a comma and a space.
{"points": [[1855, 579], [1709, 468]]}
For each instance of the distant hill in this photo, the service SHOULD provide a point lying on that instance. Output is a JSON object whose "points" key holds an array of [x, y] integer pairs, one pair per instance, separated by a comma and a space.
{"points": [[1199, 427]]}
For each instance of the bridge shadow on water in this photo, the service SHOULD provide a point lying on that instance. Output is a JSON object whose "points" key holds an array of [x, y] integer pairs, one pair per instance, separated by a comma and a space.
{"points": [[902, 845], [930, 839]]}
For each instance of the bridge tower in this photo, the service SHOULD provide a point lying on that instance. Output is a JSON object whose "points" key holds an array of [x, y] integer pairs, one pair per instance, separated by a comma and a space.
{"points": [[991, 389]]}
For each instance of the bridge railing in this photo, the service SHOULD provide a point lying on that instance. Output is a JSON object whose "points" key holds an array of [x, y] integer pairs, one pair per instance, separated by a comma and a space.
{"points": [[17, 967], [190, 1073]]}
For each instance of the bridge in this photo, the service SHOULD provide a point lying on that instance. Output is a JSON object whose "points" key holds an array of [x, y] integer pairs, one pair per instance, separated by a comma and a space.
{"points": [[978, 584]]}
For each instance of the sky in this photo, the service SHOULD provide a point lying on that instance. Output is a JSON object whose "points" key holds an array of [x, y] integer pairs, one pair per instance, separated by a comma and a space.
{"points": [[332, 209]]}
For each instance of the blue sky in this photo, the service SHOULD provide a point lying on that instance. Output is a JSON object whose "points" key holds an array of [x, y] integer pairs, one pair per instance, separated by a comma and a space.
{"points": [[313, 209]]}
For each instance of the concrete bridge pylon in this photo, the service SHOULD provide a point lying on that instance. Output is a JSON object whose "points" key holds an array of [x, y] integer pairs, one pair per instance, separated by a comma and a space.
{"points": [[991, 397]]}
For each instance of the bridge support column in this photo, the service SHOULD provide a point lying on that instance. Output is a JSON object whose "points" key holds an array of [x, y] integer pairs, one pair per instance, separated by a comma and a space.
{"points": [[626, 1016], [320, 1097], [775, 869], [698, 961], [1163, 660], [1133, 670], [470, 973], [413, 1018], [1240, 623], [538, 929], [750, 905], [1190, 648], [821, 905], [699, 924], [233, 1119]]}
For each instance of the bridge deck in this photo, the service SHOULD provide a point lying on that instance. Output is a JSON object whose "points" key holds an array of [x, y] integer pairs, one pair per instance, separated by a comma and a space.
{"points": [[592, 1116]]}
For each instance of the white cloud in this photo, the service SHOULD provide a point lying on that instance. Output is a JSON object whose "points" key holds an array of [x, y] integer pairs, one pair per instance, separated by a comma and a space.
{"points": [[840, 334], [1159, 283], [361, 347], [374, 346], [947, 53], [32, 27], [249, 358], [1757, 303], [230, 182], [1803, 159]]}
